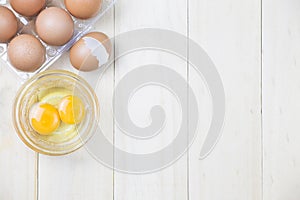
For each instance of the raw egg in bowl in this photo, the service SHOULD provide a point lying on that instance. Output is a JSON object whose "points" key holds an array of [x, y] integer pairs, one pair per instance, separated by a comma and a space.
{"points": [[55, 112]]}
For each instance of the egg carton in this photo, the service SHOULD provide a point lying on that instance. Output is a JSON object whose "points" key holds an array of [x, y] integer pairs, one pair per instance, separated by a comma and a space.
{"points": [[53, 53]]}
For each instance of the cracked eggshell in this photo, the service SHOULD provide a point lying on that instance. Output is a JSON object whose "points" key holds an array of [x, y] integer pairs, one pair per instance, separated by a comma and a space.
{"points": [[90, 52]]}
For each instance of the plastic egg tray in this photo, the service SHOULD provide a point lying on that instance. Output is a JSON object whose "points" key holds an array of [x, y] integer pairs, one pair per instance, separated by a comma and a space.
{"points": [[27, 26]]}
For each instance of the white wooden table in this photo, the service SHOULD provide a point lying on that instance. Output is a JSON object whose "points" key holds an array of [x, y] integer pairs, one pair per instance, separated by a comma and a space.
{"points": [[255, 45]]}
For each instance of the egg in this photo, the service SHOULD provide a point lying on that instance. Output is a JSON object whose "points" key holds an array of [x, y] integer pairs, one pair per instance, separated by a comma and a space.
{"points": [[71, 110], [55, 26], [8, 24], [44, 118], [90, 52], [26, 53], [28, 8], [83, 9]]}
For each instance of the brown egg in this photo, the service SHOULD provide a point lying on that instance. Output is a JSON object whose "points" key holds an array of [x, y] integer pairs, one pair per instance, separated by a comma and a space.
{"points": [[55, 26], [26, 53], [8, 24], [90, 52], [83, 9], [28, 8]]}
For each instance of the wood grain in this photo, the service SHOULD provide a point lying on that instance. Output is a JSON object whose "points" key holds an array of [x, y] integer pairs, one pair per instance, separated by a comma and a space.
{"points": [[170, 183], [17, 162], [281, 38], [229, 31]]}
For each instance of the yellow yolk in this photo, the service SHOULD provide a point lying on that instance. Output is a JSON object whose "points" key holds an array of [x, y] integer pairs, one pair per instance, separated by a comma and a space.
{"points": [[71, 110], [44, 118]]}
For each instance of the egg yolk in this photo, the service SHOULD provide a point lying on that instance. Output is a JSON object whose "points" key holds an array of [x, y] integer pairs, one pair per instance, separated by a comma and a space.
{"points": [[44, 118], [71, 110]]}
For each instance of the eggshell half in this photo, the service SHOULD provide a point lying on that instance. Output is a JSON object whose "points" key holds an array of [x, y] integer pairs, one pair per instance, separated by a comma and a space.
{"points": [[90, 52]]}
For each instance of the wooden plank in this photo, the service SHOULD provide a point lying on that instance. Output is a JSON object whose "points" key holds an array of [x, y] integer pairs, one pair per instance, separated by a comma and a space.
{"points": [[17, 162], [79, 175], [281, 28], [170, 183], [229, 31]]}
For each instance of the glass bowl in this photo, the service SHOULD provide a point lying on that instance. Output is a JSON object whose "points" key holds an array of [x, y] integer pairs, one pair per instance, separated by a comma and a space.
{"points": [[30, 93]]}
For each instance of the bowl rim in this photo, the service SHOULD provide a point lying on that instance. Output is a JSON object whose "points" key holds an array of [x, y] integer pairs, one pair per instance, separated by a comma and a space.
{"points": [[17, 103]]}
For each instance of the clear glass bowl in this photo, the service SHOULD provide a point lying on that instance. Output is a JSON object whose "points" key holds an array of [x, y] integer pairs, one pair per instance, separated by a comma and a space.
{"points": [[29, 95]]}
